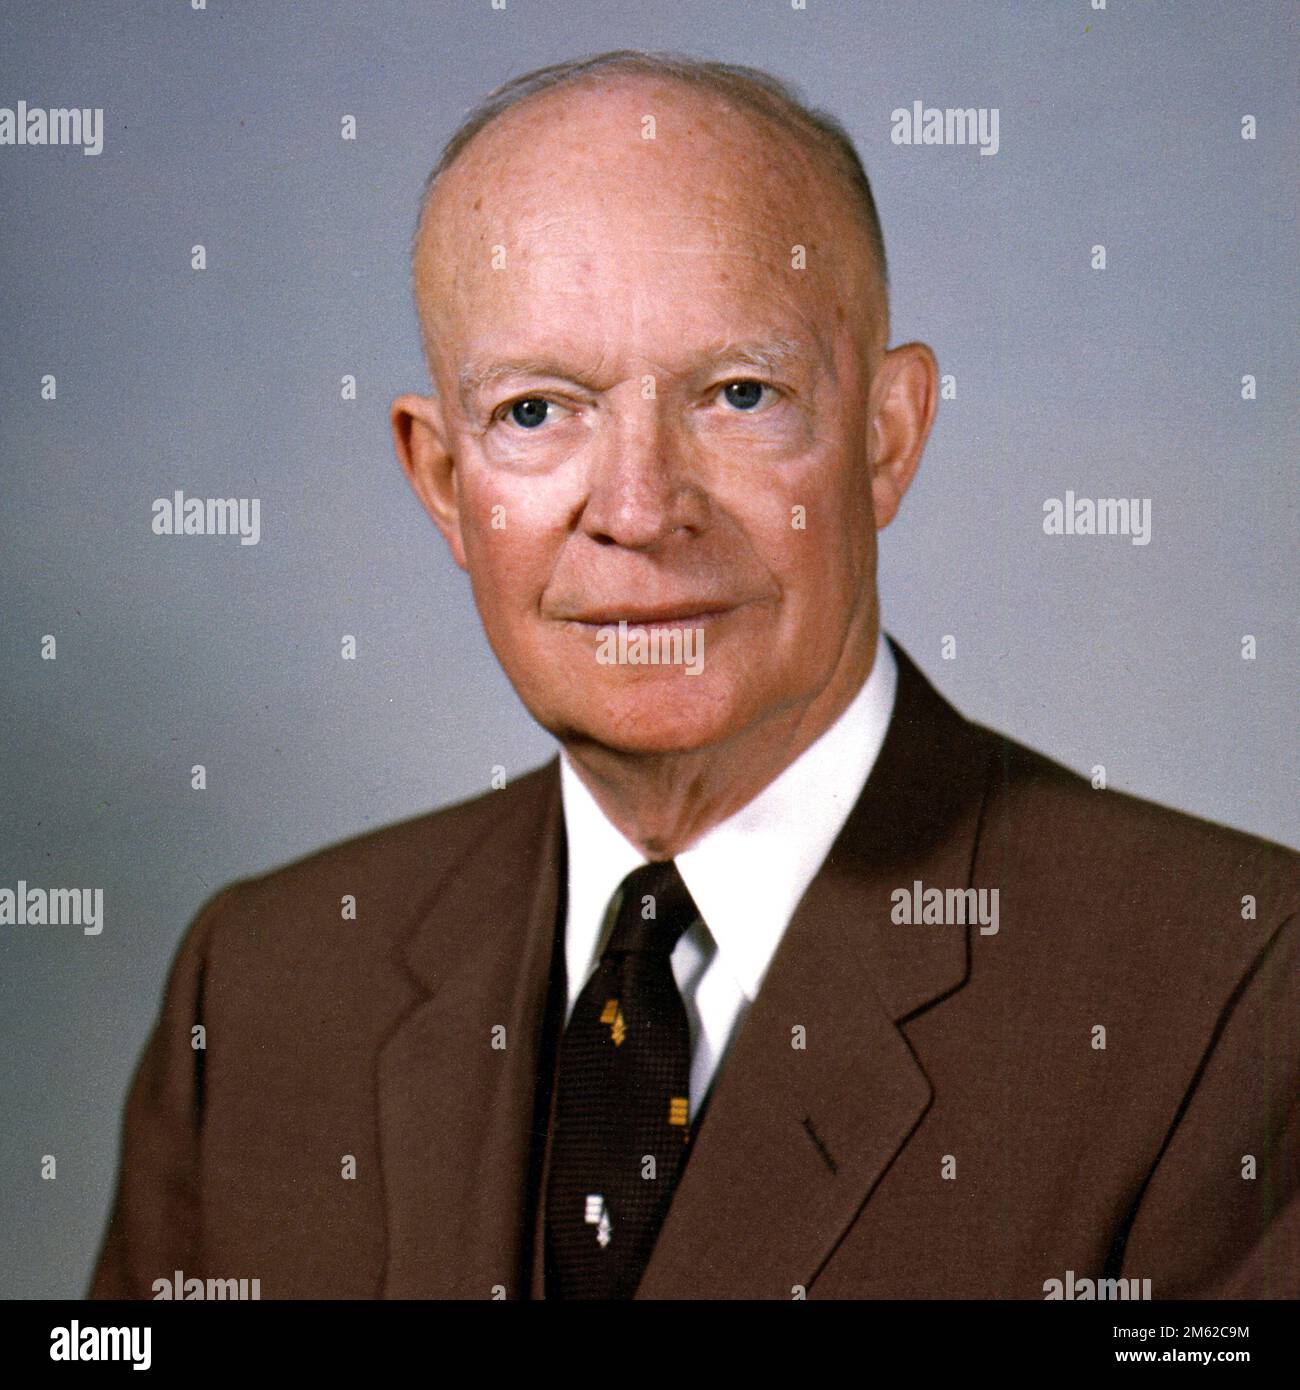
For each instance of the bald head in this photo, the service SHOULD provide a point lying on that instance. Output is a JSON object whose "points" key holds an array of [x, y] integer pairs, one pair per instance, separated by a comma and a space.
{"points": [[655, 163]]}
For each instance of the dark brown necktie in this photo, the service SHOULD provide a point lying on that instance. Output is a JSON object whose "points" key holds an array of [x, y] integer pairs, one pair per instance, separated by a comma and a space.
{"points": [[622, 1103]]}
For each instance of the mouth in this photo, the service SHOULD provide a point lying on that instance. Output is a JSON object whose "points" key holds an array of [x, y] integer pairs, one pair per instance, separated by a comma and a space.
{"points": [[691, 614]]}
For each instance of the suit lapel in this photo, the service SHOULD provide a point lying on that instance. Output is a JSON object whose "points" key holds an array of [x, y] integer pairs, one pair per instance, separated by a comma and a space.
{"points": [[456, 1113], [795, 1139]]}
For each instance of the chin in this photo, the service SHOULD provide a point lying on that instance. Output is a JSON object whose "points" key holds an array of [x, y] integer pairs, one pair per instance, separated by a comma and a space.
{"points": [[658, 718]]}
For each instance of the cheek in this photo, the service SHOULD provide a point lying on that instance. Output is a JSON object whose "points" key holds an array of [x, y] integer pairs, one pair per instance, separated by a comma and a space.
{"points": [[510, 532], [815, 534], [818, 585]]}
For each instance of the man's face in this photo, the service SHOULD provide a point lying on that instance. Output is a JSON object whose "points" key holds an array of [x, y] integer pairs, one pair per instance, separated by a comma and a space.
{"points": [[650, 415]]}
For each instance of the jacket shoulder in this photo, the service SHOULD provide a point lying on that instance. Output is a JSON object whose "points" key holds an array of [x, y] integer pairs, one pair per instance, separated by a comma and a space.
{"points": [[1126, 848], [1049, 834], [387, 873]]}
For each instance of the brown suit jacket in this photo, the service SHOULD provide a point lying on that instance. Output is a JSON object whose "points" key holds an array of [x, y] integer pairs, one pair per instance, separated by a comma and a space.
{"points": [[951, 1128]]}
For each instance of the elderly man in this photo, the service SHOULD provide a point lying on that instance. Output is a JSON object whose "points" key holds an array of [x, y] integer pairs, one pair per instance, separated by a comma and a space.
{"points": [[784, 980]]}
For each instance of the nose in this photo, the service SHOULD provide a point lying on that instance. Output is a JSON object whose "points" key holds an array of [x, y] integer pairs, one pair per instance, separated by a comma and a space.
{"points": [[642, 489]]}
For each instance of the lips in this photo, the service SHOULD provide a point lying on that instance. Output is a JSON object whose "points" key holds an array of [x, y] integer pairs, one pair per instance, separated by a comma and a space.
{"points": [[693, 610]]}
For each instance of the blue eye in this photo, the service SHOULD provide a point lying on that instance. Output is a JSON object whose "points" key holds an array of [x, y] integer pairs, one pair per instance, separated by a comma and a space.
{"points": [[530, 412], [744, 395]]}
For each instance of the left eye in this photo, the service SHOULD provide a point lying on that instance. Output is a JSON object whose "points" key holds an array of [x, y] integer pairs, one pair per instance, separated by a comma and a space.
{"points": [[745, 395], [530, 412]]}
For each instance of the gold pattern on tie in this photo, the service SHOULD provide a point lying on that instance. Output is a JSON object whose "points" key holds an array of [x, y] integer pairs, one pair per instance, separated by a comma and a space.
{"points": [[612, 1015]]}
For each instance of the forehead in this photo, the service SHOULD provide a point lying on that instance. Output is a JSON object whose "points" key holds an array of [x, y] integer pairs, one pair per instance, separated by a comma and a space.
{"points": [[563, 211], [635, 136]]}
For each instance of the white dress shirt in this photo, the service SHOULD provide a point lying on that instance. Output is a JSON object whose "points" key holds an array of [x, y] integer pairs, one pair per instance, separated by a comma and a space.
{"points": [[747, 874]]}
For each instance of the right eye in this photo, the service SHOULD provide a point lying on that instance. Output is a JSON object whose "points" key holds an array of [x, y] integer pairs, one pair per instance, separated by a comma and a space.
{"points": [[529, 412]]}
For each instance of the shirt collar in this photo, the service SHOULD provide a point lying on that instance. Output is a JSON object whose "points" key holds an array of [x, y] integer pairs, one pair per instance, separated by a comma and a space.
{"points": [[748, 873]]}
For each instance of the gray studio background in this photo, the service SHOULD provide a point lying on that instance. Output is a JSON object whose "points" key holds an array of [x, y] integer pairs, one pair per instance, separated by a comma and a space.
{"points": [[222, 127]]}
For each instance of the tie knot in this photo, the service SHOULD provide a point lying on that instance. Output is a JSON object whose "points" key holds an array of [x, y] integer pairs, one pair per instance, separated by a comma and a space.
{"points": [[654, 910]]}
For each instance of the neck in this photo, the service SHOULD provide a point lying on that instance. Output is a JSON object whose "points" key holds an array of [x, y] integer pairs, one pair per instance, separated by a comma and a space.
{"points": [[664, 802]]}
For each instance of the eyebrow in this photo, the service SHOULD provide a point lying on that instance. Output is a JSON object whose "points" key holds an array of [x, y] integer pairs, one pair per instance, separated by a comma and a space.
{"points": [[474, 379], [771, 355]]}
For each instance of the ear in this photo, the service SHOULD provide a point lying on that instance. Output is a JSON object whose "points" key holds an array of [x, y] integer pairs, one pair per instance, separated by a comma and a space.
{"points": [[420, 440], [904, 395]]}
